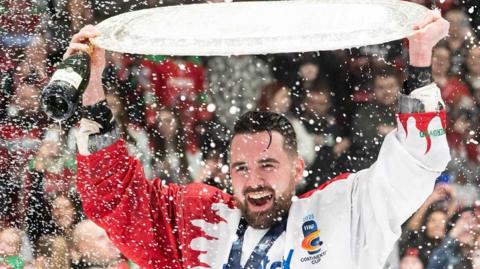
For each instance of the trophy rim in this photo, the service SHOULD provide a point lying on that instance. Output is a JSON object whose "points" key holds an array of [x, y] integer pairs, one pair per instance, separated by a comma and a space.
{"points": [[121, 34]]}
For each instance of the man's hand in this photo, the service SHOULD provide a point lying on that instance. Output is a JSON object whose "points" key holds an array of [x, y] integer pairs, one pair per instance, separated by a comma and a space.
{"points": [[94, 91], [427, 33]]}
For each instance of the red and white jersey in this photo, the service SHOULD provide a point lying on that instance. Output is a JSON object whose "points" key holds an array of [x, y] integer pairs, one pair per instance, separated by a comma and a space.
{"points": [[350, 222]]}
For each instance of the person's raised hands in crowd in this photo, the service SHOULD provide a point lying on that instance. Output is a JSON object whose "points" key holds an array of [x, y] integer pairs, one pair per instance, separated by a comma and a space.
{"points": [[441, 192]]}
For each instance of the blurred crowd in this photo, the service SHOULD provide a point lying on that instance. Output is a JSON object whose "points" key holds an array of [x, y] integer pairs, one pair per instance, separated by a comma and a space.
{"points": [[176, 114]]}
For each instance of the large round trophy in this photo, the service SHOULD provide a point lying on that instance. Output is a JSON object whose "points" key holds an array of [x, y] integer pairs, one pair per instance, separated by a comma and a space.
{"points": [[239, 28], [259, 27]]}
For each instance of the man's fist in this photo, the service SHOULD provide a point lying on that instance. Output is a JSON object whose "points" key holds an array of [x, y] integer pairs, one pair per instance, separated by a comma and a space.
{"points": [[426, 35], [80, 42]]}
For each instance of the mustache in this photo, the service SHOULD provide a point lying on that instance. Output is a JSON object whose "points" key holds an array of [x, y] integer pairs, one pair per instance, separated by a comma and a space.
{"points": [[259, 188]]}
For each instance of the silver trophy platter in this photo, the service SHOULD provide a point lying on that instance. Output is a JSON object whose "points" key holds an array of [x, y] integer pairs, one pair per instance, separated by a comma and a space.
{"points": [[241, 28]]}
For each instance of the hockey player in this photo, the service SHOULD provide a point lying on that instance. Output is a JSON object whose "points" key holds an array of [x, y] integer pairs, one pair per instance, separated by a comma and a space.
{"points": [[349, 222]]}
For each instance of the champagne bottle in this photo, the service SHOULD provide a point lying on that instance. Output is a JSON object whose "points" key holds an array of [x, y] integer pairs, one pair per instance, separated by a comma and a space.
{"points": [[60, 97]]}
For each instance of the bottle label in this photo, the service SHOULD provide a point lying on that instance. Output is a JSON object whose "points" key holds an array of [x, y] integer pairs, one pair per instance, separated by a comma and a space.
{"points": [[67, 75]]}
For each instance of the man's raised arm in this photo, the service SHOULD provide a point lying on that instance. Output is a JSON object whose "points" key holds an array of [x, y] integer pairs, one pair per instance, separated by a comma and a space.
{"points": [[411, 157], [138, 215]]}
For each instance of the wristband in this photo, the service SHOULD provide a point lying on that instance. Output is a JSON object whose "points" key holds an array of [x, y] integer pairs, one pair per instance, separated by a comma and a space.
{"points": [[418, 77], [101, 114]]}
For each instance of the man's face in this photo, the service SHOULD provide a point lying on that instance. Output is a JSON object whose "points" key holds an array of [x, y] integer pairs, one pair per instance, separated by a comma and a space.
{"points": [[263, 177], [386, 90]]}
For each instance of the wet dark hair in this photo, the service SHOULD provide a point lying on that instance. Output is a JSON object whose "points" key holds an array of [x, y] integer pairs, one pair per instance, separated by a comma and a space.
{"points": [[266, 121]]}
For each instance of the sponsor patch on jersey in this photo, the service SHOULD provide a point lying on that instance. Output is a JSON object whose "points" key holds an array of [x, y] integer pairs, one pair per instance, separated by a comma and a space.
{"points": [[311, 240], [437, 132]]}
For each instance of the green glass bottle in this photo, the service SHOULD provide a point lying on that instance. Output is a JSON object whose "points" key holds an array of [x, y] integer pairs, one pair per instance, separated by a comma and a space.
{"points": [[61, 96]]}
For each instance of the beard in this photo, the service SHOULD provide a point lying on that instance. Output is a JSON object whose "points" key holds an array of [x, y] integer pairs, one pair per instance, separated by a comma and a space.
{"points": [[271, 216]]}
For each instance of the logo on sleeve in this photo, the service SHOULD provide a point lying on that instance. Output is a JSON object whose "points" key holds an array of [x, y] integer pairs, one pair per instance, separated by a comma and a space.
{"points": [[311, 241], [436, 132]]}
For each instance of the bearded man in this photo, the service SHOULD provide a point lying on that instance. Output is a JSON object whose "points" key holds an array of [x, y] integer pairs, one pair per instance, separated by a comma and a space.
{"points": [[349, 222]]}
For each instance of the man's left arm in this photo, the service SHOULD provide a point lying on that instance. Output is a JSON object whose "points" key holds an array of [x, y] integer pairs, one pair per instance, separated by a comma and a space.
{"points": [[411, 158]]}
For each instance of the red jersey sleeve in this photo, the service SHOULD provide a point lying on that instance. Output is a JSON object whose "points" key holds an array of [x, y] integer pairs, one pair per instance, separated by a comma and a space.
{"points": [[137, 214], [150, 223]]}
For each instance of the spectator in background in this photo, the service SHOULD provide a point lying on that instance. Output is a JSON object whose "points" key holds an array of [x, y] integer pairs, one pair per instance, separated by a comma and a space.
{"points": [[410, 259], [301, 71], [330, 145], [52, 160], [53, 227], [427, 227], [451, 87], [309, 72], [93, 249], [19, 137], [18, 20], [134, 135], [64, 19], [276, 97], [465, 164], [375, 119], [7, 71], [10, 241], [122, 73], [50, 213], [214, 139], [359, 77], [175, 83], [170, 160], [456, 249], [456, 39], [476, 254], [472, 72], [34, 65]]}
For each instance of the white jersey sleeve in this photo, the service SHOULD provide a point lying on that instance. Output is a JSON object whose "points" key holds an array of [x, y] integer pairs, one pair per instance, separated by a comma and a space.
{"points": [[386, 194]]}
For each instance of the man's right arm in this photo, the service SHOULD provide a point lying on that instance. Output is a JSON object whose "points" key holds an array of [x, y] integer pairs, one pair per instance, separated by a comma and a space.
{"points": [[138, 215]]}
